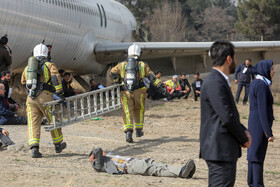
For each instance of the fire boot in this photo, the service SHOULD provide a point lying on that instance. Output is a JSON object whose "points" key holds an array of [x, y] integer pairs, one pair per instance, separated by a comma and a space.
{"points": [[35, 152], [139, 133], [59, 147], [128, 136]]}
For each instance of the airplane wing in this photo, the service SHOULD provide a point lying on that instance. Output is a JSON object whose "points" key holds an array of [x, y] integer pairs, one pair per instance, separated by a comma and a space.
{"points": [[187, 56], [106, 52]]}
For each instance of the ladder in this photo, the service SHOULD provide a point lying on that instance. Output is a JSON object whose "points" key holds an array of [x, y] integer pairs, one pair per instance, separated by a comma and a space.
{"points": [[83, 106]]}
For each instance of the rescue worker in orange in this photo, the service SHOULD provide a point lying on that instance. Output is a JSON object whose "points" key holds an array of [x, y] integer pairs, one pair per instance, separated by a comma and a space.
{"points": [[130, 73], [174, 88], [48, 82]]}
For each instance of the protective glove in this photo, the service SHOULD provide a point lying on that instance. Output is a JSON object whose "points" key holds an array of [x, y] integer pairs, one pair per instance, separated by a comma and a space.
{"points": [[62, 99]]}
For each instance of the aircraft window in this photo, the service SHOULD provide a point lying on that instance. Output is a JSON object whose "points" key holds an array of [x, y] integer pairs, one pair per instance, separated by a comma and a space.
{"points": [[105, 18], [100, 15]]}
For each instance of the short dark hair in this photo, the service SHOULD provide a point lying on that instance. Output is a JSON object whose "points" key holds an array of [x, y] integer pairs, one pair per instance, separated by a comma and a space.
{"points": [[248, 59], [67, 74], [219, 52], [49, 45], [91, 80], [4, 73], [197, 73], [183, 73], [4, 40], [157, 72], [61, 71]]}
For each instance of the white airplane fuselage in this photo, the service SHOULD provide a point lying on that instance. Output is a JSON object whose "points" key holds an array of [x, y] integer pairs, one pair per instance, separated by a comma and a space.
{"points": [[73, 27]]}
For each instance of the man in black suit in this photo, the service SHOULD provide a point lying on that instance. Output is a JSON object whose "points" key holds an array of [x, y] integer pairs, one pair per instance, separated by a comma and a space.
{"points": [[221, 133]]}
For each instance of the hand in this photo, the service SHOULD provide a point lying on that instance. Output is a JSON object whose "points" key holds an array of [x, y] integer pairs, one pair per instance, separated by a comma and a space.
{"points": [[171, 92], [248, 143], [91, 158], [236, 81], [6, 133], [15, 115], [271, 139]]}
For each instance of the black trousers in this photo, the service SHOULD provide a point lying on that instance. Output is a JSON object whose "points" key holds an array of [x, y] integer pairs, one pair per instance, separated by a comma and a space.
{"points": [[16, 121], [175, 94], [221, 174], [240, 87], [255, 174], [187, 94]]}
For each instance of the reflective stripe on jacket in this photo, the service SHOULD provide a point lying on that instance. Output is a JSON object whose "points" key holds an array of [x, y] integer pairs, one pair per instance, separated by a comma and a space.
{"points": [[49, 70], [170, 85]]}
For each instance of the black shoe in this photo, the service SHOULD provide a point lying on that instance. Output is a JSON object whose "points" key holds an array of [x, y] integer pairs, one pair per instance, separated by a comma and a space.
{"points": [[187, 170], [139, 133], [128, 136], [59, 147], [1, 144], [35, 153], [191, 173]]}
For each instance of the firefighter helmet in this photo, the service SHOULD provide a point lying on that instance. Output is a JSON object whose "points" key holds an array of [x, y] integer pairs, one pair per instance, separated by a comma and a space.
{"points": [[40, 50], [134, 51]]}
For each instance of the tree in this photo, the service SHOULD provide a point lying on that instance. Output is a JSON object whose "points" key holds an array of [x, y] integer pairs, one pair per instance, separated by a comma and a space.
{"points": [[259, 19], [167, 23], [227, 5], [215, 25], [141, 9]]}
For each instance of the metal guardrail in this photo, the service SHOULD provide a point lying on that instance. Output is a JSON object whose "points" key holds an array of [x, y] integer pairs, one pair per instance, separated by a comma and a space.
{"points": [[83, 106]]}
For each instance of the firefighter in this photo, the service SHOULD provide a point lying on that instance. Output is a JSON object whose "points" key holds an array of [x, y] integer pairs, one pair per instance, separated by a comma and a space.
{"points": [[130, 73], [42, 80]]}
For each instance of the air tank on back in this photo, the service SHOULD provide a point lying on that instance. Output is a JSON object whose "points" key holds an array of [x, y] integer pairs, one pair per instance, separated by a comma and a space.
{"points": [[32, 69]]}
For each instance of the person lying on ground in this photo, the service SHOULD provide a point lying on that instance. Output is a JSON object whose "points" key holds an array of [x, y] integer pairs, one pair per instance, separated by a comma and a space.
{"points": [[115, 164]]}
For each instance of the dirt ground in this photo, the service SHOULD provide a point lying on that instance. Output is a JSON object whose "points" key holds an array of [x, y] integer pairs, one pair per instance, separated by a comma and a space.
{"points": [[171, 136]]}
